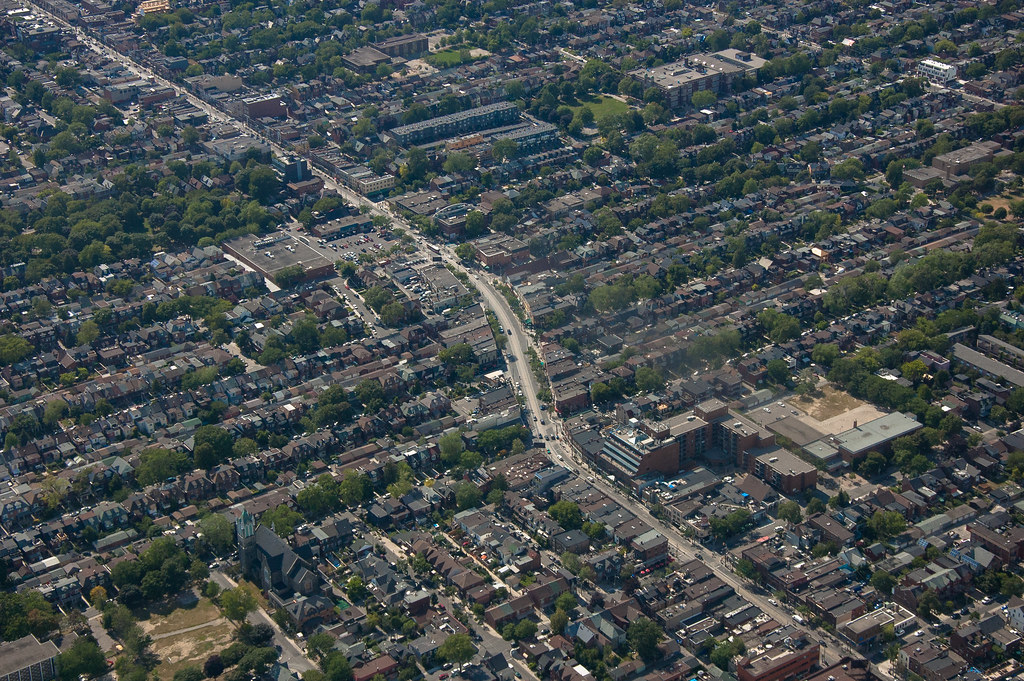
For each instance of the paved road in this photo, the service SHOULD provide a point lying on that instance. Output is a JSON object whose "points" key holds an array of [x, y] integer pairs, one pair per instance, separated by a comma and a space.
{"points": [[355, 301], [682, 548], [489, 638], [103, 639], [292, 656], [518, 342]]}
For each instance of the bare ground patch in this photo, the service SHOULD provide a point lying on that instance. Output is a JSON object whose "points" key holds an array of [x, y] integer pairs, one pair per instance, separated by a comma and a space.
{"points": [[829, 403], [191, 648], [200, 612]]}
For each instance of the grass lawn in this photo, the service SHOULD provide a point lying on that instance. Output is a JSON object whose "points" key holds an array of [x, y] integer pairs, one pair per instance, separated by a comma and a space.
{"points": [[1002, 201], [446, 59], [603, 106], [200, 612]]}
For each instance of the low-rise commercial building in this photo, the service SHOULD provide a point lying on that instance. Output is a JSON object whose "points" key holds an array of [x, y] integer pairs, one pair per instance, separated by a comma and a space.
{"points": [[279, 256], [876, 435], [785, 653]]}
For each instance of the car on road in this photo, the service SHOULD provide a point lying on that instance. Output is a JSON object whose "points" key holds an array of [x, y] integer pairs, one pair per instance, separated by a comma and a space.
{"points": [[444, 675]]}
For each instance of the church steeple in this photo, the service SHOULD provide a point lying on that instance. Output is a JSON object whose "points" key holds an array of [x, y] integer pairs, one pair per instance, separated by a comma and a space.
{"points": [[245, 527], [245, 530]]}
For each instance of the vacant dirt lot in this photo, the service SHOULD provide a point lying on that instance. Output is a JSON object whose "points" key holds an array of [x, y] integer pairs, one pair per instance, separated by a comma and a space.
{"points": [[187, 635], [834, 411], [829, 403], [191, 648]]}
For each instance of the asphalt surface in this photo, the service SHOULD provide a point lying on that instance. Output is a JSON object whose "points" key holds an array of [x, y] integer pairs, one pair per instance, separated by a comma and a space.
{"points": [[292, 656], [520, 370], [489, 638]]}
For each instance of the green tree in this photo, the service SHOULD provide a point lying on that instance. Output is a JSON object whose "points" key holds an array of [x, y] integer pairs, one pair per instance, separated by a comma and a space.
{"points": [[779, 326], [355, 588], [928, 604], [392, 314], [504, 149], [559, 620], [458, 162], [745, 568], [643, 636], [725, 651], [873, 464], [566, 602], [525, 629], [789, 510], [730, 525], [648, 379], [467, 495], [318, 645], [825, 354], [355, 488], [282, 520], [457, 649], [370, 393], [567, 514], [883, 582], [83, 658], [778, 371], [218, 532], [840, 500], [702, 99], [88, 332], [596, 531], [886, 524], [216, 443], [263, 183], [238, 602], [452, 447], [403, 480]]}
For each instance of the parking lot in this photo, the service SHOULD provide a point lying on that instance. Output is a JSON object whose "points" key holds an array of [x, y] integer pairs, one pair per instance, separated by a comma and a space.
{"points": [[350, 247]]}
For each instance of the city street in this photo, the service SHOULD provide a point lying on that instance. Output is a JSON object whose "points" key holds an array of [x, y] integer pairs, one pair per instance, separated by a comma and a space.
{"points": [[519, 370], [292, 656], [489, 638]]}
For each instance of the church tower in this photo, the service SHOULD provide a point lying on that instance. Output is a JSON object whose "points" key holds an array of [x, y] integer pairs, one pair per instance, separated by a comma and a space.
{"points": [[245, 531]]}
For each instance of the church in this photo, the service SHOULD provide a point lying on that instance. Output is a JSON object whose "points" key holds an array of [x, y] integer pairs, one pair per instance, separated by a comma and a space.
{"points": [[269, 561]]}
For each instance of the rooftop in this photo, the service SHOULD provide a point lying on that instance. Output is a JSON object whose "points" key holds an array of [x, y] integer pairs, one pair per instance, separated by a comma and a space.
{"points": [[698, 66], [874, 434], [25, 652]]}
